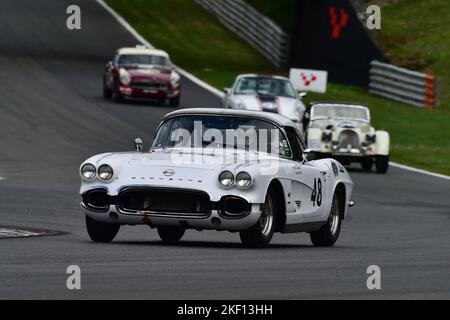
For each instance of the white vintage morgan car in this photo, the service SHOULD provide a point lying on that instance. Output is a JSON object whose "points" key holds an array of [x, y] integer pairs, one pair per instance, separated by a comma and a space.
{"points": [[257, 181], [343, 131]]}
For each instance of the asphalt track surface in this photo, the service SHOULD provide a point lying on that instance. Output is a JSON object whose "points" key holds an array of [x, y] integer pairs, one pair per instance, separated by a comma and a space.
{"points": [[52, 117]]}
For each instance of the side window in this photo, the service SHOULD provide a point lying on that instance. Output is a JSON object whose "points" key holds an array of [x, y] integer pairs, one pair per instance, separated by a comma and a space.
{"points": [[295, 142]]}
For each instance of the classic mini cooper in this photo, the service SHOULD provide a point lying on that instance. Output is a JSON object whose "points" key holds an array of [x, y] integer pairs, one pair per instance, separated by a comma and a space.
{"points": [[219, 169], [265, 93], [142, 73], [343, 131]]}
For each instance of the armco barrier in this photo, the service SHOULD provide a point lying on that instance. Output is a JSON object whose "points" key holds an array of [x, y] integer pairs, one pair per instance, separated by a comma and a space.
{"points": [[252, 26], [403, 85]]}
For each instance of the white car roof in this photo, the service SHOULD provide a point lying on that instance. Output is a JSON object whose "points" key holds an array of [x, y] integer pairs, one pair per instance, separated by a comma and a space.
{"points": [[142, 50], [268, 116]]}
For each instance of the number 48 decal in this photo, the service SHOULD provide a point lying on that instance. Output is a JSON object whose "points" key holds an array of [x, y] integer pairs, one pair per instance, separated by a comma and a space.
{"points": [[316, 196]]}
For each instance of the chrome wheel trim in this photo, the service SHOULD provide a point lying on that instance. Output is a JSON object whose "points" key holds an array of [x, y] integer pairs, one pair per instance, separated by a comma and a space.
{"points": [[266, 220], [334, 217]]}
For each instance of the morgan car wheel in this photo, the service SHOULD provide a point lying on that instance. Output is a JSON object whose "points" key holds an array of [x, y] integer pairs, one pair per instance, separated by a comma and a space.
{"points": [[329, 233], [101, 232], [367, 164], [382, 164], [260, 235], [171, 234]]}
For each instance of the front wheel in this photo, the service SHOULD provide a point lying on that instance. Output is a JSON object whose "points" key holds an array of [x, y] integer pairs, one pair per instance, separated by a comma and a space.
{"points": [[101, 232], [171, 234], [117, 95], [107, 93], [260, 235], [329, 233], [382, 164]]}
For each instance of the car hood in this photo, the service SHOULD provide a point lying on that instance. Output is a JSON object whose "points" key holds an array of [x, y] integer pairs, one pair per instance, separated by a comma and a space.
{"points": [[149, 74], [288, 107], [182, 162]]}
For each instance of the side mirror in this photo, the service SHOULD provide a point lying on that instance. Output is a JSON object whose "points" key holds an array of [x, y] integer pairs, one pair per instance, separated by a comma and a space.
{"points": [[302, 95], [227, 91], [307, 156], [138, 145]]}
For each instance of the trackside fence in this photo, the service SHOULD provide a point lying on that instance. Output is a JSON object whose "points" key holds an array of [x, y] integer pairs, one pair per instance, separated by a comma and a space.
{"points": [[403, 85], [258, 30]]}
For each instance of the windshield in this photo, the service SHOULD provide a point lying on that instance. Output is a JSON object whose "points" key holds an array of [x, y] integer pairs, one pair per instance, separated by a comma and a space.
{"points": [[143, 59], [265, 86], [339, 112], [200, 131]]}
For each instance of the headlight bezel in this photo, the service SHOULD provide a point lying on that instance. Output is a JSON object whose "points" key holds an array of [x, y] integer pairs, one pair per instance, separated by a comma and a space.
{"points": [[231, 177], [249, 178], [94, 171], [100, 172]]}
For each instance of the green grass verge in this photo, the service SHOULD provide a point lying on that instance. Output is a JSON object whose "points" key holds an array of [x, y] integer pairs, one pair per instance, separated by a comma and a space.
{"points": [[202, 46], [279, 11]]}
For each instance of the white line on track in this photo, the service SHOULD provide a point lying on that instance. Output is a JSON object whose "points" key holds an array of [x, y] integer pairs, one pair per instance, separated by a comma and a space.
{"points": [[217, 92], [412, 169]]}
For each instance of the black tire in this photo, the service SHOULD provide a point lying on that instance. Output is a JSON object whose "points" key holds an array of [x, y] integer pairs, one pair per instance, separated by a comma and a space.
{"points": [[101, 232], [260, 235], [367, 164], [174, 102], [171, 234], [107, 93], [329, 233], [117, 95], [382, 164]]}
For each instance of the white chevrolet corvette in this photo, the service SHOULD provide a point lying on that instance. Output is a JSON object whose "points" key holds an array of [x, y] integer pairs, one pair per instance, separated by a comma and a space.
{"points": [[266, 93], [219, 169]]}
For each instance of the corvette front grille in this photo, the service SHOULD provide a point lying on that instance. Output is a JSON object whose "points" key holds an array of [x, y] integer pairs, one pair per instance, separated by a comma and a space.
{"points": [[164, 201]]}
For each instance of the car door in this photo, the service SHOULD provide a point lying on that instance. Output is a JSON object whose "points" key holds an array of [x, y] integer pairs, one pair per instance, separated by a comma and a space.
{"points": [[308, 181]]}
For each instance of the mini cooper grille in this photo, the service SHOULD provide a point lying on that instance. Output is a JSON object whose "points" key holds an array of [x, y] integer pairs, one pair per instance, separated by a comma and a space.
{"points": [[148, 85], [164, 201], [348, 138]]}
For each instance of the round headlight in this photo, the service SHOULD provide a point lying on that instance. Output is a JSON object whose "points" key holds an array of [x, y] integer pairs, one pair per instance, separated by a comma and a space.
{"points": [[243, 180], [88, 171], [226, 179], [125, 77], [175, 78], [105, 172]]}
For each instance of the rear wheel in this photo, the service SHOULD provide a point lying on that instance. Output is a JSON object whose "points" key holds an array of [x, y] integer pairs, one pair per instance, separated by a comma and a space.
{"points": [[382, 164], [329, 233], [171, 234], [101, 232], [260, 235], [175, 102], [367, 164]]}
